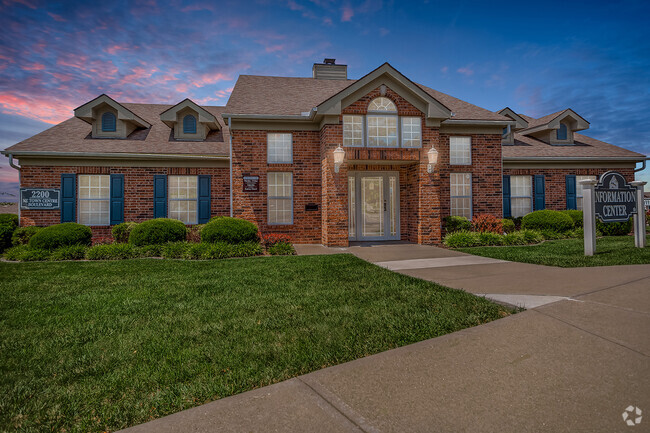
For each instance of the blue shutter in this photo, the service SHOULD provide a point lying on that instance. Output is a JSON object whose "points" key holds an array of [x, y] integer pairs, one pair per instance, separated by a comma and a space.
{"points": [[117, 199], [571, 202], [204, 199], [506, 197], [540, 197], [160, 196], [68, 197]]}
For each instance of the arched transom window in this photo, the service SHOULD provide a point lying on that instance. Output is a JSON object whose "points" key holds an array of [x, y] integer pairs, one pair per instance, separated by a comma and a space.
{"points": [[189, 124], [382, 104]]}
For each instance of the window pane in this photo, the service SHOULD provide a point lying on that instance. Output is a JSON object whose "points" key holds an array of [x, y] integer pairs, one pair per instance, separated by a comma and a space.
{"points": [[183, 210], [461, 194], [460, 150], [521, 186], [382, 131], [94, 186], [353, 130], [279, 148], [520, 206], [382, 104], [280, 200], [411, 131], [94, 194], [580, 189], [182, 187], [93, 212]]}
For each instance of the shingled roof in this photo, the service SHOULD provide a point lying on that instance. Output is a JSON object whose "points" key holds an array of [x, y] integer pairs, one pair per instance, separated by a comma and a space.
{"points": [[73, 135]]}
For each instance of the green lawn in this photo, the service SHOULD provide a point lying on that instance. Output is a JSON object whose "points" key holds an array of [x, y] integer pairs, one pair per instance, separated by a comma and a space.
{"points": [[569, 253], [94, 346]]}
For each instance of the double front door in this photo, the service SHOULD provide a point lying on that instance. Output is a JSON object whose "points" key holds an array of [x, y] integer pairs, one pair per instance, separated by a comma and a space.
{"points": [[373, 208]]}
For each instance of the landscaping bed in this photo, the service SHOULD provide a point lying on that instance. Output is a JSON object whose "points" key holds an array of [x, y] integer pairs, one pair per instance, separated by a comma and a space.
{"points": [[100, 346]]}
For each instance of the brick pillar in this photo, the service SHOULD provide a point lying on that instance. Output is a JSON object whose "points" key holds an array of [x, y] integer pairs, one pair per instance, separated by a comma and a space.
{"points": [[428, 189], [334, 190]]}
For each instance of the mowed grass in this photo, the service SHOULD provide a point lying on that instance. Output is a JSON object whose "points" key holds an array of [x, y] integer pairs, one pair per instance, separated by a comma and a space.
{"points": [[569, 253], [99, 346]]}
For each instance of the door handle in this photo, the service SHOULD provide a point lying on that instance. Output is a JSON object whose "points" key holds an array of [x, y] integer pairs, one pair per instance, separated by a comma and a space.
{"points": [[384, 205]]}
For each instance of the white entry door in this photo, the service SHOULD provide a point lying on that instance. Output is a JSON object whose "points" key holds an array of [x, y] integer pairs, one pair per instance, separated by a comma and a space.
{"points": [[373, 210]]}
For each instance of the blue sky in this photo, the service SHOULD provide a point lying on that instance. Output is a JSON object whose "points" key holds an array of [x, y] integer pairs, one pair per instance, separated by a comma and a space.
{"points": [[536, 58]]}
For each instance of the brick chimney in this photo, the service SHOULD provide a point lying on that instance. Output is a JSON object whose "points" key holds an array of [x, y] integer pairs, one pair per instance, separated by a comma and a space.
{"points": [[329, 70]]}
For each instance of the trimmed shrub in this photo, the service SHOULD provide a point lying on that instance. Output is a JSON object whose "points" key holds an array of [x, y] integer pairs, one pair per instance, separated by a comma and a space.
{"points": [[149, 251], [9, 219], [6, 232], [122, 231], [281, 249], [71, 252], [229, 230], [210, 251], [22, 235], [461, 239], [487, 223], [576, 216], [194, 233], [157, 231], [490, 239], [547, 219], [61, 235], [24, 253], [271, 239], [457, 223], [508, 225], [175, 250], [244, 249], [111, 252], [531, 236], [614, 229]]}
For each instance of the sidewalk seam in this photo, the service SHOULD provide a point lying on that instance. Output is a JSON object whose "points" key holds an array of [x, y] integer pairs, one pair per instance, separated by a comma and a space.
{"points": [[589, 332], [612, 287], [341, 407]]}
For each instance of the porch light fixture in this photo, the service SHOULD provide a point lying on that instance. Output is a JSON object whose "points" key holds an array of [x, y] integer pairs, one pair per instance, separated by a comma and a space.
{"points": [[339, 156], [433, 159]]}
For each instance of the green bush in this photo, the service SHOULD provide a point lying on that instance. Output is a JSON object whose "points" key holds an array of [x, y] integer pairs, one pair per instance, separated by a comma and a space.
{"points": [[457, 223], [22, 235], [282, 249], [514, 238], [71, 252], [6, 232], [25, 253], [614, 229], [547, 219], [149, 251], [111, 252], [15, 253], [490, 238], [551, 235], [229, 230], [508, 225], [157, 231], [61, 235], [461, 239], [9, 219], [176, 250], [210, 251], [531, 236], [122, 231], [576, 216]]}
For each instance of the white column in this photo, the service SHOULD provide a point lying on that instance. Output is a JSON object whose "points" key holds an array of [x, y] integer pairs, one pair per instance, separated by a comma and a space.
{"points": [[639, 217], [589, 215]]}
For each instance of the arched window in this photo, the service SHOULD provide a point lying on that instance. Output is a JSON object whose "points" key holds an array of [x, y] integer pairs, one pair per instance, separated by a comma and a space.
{"points": [[189, 124], [108, 122], [382, 104], [562, 133]]}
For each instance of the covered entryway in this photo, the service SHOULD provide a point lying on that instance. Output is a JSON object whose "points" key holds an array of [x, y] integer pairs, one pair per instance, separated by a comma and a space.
{"points": [[373, 207]]}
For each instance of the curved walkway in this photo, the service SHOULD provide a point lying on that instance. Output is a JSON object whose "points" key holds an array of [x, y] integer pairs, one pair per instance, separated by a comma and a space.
{"points": [[573, 365]]}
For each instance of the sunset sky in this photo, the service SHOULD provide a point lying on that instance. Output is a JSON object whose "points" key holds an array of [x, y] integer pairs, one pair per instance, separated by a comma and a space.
{"points": [[592, 57]]}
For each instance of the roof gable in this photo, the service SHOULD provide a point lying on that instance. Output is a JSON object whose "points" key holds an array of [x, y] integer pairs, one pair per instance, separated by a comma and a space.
{"points": [[86, 111], [169, 116], [521, 123], [553, 120]]}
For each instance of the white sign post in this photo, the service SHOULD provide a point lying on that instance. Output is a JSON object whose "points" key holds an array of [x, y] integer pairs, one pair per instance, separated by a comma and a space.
{"points": [[639, 216], [589, 215]]}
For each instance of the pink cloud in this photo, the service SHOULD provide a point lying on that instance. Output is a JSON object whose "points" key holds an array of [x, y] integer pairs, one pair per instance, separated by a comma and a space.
{"points": [[34, 67], [56, 17], [27, 3], [465, 70], [210, 78], [46, 109], [274, 48], [347, 13], [138, 75], [117, 47]]}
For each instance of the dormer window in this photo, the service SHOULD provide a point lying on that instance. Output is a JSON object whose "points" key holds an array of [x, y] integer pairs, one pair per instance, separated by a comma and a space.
{"points": [[109, 118], [189, 124], [562, 132], [109, 122]]}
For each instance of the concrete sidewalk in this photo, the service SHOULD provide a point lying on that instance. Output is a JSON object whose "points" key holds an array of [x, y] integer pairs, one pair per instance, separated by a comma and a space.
{"points": [[570, 366]]}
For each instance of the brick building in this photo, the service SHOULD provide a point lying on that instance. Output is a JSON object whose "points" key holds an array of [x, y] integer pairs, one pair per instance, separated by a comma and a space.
{"points": [[323, 159]]}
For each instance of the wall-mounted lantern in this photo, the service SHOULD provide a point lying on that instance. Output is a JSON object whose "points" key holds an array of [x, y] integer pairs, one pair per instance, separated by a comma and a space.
{"points": [[432, 154], [339, 156]]}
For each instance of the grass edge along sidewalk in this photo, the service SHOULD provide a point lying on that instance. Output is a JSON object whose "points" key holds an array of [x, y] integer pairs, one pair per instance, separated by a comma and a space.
{"points": [[100, 346], [569, 253]]}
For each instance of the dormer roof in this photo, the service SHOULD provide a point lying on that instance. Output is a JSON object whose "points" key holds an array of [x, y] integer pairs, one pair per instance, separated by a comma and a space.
{"points": [[86, 111], [553, 120], [169, 116], [521, 123]]}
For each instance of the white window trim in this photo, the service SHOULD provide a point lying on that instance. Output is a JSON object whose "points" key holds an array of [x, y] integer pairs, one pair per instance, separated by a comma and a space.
{"points": [[363, 129], [268, 153], [170, 200], [531, 196], [470, 150], [269, 198], [471, 196], [79, 200], [398, 129], [401, 131]]}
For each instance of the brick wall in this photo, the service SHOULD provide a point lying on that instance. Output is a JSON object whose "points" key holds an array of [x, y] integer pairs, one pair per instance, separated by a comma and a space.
{"points": [[138, 190], [555, 180]]}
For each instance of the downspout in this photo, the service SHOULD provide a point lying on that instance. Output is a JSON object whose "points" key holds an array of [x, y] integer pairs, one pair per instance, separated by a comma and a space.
{"points": [[12, 165], [230, 159]]}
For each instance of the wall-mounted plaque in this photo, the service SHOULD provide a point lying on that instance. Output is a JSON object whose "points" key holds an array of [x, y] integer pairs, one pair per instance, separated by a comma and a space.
{"points": [[251, 183], [39, 198]]}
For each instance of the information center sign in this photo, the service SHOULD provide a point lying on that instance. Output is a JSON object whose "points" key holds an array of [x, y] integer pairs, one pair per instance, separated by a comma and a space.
{"points": [[615, 199]]}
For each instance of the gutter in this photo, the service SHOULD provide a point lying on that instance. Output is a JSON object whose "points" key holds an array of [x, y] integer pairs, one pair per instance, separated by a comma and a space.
{"points": [[575, 158], [287, 117], [17, 167], [87, 155], [230, 159], [642, 166], [479, 122]]}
